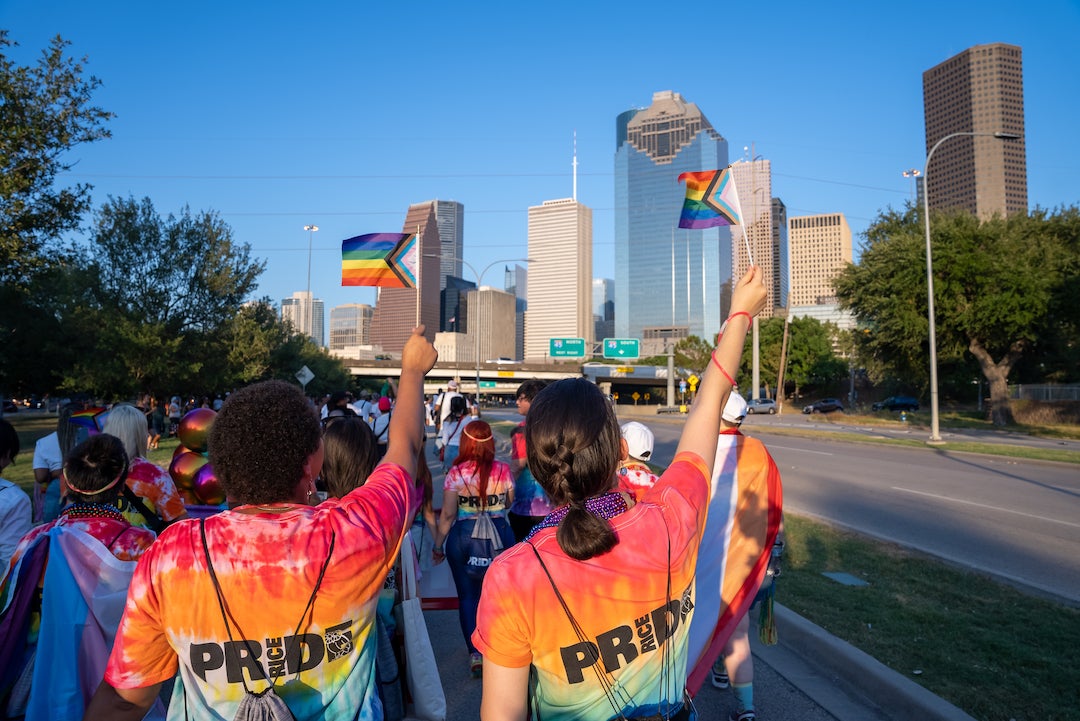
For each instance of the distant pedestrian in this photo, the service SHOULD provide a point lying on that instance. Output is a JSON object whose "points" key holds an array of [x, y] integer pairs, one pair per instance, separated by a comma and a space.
{"points": [[635, 476], [531, 502]]}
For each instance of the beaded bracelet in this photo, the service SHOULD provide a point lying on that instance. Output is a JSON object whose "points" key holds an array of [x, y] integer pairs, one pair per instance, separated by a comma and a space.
{"points": [[724, 372]]}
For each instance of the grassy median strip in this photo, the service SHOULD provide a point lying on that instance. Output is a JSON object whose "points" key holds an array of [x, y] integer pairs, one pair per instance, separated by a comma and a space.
{"points": [[990, 649]]}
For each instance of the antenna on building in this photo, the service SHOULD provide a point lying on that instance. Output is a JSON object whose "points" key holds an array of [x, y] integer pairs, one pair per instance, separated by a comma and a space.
{"points": [[575, 166]]}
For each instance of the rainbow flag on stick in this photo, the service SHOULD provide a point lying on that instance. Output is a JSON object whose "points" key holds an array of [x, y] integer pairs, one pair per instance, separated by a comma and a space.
{"points": [[389, 260], [711, 199]]}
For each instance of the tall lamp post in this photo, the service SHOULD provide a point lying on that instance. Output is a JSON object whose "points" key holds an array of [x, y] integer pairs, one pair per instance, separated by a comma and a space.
{"points": [[935, 434], [307, 321]]}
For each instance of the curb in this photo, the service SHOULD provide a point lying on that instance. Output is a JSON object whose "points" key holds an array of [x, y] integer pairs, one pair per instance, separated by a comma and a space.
{"points": [[898, 697]]}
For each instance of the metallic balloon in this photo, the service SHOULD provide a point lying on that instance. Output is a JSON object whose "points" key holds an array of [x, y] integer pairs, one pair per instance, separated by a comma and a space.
{"points": [[208, 487], [195, 427], [184, 467]]}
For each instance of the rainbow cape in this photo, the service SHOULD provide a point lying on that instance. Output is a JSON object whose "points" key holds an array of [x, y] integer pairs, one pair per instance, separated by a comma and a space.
{"points": [[711, 199], [389, 260], [745, 506]]}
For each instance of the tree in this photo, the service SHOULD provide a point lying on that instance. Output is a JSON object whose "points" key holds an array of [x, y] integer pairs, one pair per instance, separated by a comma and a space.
{"points": [[1002, 290], [46, 111], [693, 352], [161, 294]]}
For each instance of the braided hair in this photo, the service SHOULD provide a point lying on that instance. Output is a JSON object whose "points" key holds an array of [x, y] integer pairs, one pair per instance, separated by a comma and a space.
{"points": [[573, 443]]}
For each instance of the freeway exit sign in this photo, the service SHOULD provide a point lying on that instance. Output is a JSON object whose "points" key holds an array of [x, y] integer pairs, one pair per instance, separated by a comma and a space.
{"points": [[567, 348], [625, 348]]}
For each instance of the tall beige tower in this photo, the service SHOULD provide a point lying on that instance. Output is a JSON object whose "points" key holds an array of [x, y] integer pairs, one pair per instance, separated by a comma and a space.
{"points": [[491, 312], [819, 248], [560, 275], [981, 90], [754, 182]]}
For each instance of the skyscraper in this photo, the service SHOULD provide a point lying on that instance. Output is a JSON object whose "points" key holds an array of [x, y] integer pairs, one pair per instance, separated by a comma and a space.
{"points": [[350, 325], [603, 295], [396, 308], [560, 275], [515, 281], [450, 219], [305, 315], [820, 247], [761, 215], [667, 279], [491, 314], [980, 90]]}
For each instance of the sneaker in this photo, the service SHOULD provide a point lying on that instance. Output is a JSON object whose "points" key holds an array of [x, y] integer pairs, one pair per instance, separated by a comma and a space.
{"points": [[720, 678], [743, 716], [476, 664]]}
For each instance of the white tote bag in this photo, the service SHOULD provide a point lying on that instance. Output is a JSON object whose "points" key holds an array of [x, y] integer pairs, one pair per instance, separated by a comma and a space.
{"points": [[421, 671]]}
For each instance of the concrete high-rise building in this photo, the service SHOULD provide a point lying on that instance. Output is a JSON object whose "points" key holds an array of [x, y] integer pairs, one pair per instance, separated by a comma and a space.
{"points": [[781, 281], [305, 315], [761, 212], [395, 308], [491, 314], [666, 277], [603, 295], [450, 219], [980, 90], [350, 325], [560, 275], [820, 247]]}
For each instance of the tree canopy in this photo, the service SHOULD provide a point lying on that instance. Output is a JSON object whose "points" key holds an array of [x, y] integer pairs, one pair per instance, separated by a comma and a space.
{"points": [[1002, 290]]}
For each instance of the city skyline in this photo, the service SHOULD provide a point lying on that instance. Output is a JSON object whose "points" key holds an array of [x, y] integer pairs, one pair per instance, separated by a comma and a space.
{"points": [[326, 133]]}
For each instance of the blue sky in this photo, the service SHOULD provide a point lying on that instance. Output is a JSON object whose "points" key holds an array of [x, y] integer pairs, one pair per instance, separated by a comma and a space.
{"points": [[279, 115]]}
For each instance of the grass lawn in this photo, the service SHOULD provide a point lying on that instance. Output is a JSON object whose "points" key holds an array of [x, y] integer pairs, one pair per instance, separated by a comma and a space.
{"points": [[988, 648]]}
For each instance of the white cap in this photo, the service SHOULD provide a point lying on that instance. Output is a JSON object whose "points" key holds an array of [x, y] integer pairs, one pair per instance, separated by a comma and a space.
{"points": [[734, 409], [639, 440], [452, 385]]}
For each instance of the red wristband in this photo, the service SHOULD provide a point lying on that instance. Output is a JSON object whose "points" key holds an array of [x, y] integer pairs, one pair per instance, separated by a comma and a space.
{"points": [[724, 372], [741, 312]]}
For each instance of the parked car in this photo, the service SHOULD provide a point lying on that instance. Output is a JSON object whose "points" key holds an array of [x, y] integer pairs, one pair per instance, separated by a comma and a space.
{"points": [[825, 405], [897, 403], [760, 405], [10, 406]]}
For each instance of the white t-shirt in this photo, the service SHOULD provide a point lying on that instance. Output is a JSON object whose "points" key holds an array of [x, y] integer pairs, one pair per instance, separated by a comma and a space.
{"points": [[444, 409], [14, 520], [47, 453]]}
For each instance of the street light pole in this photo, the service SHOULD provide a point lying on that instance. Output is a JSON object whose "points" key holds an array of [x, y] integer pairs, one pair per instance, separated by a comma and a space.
{"points": [[308, 321], [935, 434]]}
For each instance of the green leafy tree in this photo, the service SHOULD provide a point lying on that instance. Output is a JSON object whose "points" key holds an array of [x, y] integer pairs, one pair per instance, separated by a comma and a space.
{"points": [[1004, 288], [161, 293], [811, 360], [693, 352]]}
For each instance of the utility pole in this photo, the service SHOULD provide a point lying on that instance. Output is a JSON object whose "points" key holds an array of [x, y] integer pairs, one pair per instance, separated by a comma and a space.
{"points": [[783, 365]]}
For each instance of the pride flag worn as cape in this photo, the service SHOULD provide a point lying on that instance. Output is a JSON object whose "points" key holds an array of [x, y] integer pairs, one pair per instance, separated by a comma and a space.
{"points": [[745, 505], [711, 199], [390, 260]]}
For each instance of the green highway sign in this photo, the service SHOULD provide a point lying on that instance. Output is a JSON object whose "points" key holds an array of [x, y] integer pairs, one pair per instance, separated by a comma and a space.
{"points": [[487, 384], [567, 348], [625, 348]]}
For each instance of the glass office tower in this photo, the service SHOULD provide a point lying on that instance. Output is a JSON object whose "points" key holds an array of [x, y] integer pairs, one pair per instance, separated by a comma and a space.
{"points": [[666, 277]]}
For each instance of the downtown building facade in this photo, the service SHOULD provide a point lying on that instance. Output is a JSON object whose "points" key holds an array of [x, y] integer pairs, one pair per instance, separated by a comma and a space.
{"points": [[305, 314], [670, 282], [450, 221], [980, 90], [350, 326], [396, 309], [559, 295], [820, 247], [764, 230]]}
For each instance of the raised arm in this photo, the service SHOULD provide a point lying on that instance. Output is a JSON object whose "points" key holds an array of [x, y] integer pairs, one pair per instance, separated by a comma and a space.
{"points": [[407, 422], [703, 421]]}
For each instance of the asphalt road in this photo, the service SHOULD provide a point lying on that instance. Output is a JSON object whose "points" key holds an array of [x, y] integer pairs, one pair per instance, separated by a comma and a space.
{"points": [[1015, 519]]}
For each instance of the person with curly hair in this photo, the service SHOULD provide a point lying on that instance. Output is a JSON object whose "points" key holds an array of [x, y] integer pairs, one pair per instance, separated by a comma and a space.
{"points": [[594, 605], [473, 527], [272, 602]]}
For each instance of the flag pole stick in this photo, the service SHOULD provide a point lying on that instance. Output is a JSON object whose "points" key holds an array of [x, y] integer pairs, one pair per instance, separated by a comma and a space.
{"points": [[419, 271]]}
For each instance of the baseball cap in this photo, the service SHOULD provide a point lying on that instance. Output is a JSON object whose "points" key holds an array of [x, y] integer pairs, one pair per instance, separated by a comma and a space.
{"points": [[639, 440], [452, 385], [734, 409]]}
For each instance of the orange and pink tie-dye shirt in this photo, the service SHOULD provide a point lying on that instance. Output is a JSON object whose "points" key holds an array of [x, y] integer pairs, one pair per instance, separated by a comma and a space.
{"points": [[155, 487], [267, 565], [461, 479], [620, 599]]}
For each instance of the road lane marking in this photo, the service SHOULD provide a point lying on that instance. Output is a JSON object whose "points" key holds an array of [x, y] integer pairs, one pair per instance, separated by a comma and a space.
{"points": [[799, 450], [983, 505]]}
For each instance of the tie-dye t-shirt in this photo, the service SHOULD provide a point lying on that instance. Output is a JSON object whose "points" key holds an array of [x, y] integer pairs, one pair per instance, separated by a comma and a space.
{"points": [[461, 480], [267, 565], [155, 487], [619, 599], [530, 499], [635, 478]]}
